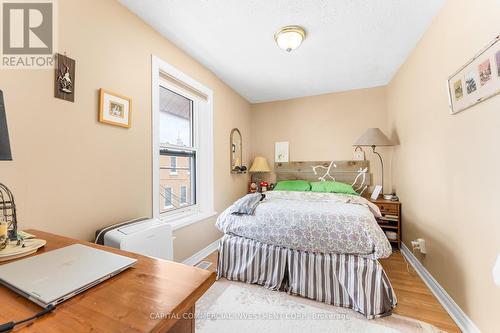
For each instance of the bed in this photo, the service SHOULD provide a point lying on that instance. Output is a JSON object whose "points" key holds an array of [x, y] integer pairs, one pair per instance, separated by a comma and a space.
{"points": [[322, 246]]}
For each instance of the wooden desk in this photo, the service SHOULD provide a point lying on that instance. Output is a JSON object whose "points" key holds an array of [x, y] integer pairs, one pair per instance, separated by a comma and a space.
{"points": [[153, 296]]}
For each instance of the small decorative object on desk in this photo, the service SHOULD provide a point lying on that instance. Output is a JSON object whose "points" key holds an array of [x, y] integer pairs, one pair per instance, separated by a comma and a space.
{"points": [[263, 186], [25, 244], [3, 234], [8, 211]]}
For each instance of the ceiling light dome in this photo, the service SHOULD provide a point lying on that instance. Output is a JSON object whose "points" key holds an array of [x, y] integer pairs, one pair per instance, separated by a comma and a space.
{"points": [[290, 37]]}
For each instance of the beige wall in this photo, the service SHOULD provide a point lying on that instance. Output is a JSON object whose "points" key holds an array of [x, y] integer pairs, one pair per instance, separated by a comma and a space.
{"points": [[445, 168], [71, 174], [323, 127]]}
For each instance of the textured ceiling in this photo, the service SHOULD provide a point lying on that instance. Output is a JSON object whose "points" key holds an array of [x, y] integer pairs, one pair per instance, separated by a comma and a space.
{"points": [[351, 44]]}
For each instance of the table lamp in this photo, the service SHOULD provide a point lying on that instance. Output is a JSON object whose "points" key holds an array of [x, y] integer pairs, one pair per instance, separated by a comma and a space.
{"points": [[259, 165], [374, 137]]}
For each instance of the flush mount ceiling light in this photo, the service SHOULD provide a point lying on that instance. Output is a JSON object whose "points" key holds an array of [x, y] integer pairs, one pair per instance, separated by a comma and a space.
{"points": [[290, 37]]}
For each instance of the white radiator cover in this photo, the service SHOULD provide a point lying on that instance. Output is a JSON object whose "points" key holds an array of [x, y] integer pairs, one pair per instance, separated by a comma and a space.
{"points": [[152, 238]]}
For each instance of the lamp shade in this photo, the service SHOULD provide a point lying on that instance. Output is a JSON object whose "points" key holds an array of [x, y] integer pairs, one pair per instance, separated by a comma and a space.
{"points": [[260, 165], [5, 154], [373, 137]]}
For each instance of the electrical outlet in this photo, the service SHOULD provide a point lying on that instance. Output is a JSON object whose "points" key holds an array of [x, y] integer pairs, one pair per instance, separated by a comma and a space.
{"points": [[419, 244]]}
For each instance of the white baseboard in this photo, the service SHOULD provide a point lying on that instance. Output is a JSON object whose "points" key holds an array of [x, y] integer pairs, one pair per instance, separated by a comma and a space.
{"points": [[455, 312], [199, 256]]}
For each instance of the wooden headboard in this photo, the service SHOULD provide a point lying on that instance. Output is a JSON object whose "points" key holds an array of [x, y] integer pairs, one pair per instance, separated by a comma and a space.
{"points": [[345, 171]]}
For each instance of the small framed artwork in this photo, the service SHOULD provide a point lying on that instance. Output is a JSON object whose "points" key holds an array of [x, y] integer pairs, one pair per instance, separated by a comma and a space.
{"points": [[376, 192], [476, 81], [114, 109], [281, 152], [64, 81]]}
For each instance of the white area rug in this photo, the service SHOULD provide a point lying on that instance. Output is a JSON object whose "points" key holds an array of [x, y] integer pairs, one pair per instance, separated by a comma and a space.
{"points": [[239, 307]]}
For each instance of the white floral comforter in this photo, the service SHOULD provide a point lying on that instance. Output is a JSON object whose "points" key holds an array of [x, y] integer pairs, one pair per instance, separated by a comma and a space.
{"points": [[315, 222]]}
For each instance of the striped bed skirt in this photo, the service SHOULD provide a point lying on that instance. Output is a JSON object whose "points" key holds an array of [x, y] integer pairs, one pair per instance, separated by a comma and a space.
{"points": [[338, 279]]}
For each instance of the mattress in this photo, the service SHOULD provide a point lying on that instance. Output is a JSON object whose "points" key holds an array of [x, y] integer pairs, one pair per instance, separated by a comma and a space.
{"points": [[312, 222]]}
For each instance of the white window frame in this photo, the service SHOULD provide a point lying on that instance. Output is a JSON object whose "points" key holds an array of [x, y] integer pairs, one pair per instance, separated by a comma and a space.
{"points": [[203, 143]]}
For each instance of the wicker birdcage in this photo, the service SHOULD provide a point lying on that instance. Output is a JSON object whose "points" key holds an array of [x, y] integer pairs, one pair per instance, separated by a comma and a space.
{"points": [[8, 211]]}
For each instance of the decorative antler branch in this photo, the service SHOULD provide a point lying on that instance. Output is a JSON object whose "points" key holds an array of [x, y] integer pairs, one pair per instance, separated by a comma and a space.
{"points": [[327, 173], [360, 178], [362, 174]]}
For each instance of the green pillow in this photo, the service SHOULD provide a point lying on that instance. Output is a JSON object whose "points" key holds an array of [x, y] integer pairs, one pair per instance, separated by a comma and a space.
{"points": [[293, 185], [332, 187]]}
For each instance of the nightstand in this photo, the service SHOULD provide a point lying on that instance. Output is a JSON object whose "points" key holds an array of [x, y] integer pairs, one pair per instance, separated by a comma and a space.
{"points": [[391, 218]]}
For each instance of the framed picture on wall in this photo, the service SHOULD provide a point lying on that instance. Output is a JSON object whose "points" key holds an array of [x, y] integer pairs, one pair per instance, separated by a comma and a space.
{"points": [[114, 109], [281, 152], [64, 81], [477, 80]]}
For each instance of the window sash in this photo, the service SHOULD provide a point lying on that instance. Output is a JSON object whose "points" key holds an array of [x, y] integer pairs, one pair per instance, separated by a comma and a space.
{"points": [[192, 119], [175, 151], [193, 116], [185, 151], [192, 169]]}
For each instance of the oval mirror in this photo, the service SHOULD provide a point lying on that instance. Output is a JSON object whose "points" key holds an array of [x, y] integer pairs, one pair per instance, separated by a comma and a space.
{"points": [[236, 150]]}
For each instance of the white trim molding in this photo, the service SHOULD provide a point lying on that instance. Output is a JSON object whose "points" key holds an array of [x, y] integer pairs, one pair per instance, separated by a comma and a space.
{"points": [[199, 256], [455, 312]]}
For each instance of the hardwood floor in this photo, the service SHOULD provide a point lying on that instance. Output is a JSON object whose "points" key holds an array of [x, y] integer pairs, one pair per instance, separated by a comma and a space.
{"points": [[213, 259], [415, 300]]}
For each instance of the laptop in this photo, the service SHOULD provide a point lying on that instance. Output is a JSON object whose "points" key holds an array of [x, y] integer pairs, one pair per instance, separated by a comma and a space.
{"points": [[56, 276]]}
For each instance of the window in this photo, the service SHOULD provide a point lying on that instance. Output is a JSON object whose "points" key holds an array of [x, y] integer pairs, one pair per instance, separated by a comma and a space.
{"points": [[173, 165], [182, 147], [177, 148], [167, 197], [183, 195]]}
